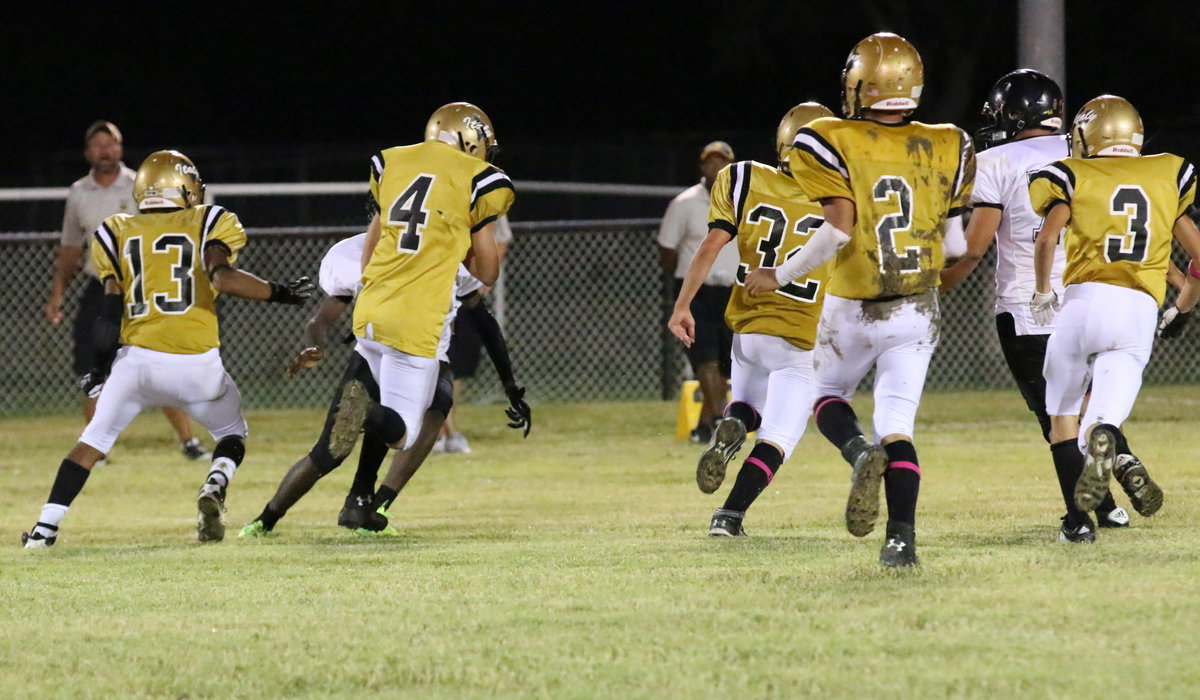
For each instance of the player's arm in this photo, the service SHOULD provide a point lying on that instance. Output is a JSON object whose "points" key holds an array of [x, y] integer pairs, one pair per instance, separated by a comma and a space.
{"points": [[682, 325], [825, 242], [492, 336], [1177, 315], [483, 260], [67, 261], [1045, 302], [670, 232], [317, 332], [981, 230], [227, 279], [372, 239]]}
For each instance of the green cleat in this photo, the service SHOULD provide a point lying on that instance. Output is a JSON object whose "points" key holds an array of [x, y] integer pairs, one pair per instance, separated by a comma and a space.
{"points": [[254, 529], [387, 531]]}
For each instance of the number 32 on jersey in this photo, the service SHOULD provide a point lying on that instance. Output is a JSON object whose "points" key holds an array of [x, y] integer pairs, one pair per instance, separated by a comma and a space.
{"points": [[770, 244]]}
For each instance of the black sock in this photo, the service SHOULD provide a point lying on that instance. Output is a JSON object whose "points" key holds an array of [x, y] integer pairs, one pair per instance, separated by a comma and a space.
{"points": [[1068, 465], [757, 471], [902, 482], [1122, 443], [68, 483], [370, 457], [384, 497], [745, 413], [269, 517], [836, 420]]}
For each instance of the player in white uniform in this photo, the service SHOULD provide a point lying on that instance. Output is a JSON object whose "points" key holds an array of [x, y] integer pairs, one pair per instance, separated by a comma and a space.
{"points": [[1024, 111], [341, 280]]}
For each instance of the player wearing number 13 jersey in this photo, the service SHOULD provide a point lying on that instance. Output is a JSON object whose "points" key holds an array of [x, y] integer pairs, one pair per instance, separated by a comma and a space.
{"points": [[892, 192], [1120, 210], [162, 270], [434, 203]]}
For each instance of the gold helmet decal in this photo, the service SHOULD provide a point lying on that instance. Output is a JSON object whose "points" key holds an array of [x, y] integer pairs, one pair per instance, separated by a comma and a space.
{"points": [[464, 126], [796, 118], [168, 180], [883, 72], [1107, 126]]}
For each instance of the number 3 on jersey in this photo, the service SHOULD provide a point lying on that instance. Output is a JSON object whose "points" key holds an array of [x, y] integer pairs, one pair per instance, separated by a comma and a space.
{"points": [[408, 212], [769, 245]]}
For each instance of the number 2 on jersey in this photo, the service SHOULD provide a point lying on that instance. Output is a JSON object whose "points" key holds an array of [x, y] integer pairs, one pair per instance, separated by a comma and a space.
{"points": [[890, 259], [408, 212], [769, 245]]}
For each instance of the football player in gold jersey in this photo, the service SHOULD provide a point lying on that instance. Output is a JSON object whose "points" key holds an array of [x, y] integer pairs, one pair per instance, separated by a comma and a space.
{"points": [[892, 192], [162, 271], [435, 205], [761, 208], [1120, 210]]}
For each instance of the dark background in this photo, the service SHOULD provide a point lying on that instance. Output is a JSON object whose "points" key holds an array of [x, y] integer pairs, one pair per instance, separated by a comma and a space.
{"points": [[596, 92]]}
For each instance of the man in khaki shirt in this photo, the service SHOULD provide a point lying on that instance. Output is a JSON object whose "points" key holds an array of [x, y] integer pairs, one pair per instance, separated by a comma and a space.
{"points": [[106, 190]]}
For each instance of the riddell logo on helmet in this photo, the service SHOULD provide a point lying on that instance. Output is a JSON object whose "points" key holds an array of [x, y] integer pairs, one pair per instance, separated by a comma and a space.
{"points": [[894, 103], [186, 169]]}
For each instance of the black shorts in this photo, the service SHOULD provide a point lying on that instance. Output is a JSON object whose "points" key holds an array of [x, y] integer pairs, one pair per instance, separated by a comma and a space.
{"points": [[90, 301], [714, 340], [465, 345], [1025, 355]]}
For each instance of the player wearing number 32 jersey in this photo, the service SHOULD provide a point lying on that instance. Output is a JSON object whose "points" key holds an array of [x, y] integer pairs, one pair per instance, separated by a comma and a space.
{"points": [[434, 203], [1120, 210], [892, 192]]}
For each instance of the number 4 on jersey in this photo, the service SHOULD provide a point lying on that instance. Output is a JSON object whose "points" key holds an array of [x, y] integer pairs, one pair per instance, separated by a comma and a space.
{"points": [[408, 212]]}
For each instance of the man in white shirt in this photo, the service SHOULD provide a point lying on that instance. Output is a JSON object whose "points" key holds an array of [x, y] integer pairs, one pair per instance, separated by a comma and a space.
{"points": [[1025, 113], [107, 189], [684, 228]]}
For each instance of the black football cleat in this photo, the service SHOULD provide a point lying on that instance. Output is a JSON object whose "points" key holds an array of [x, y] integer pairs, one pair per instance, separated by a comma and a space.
{"points": [[726, 440], [1098, 462], [36, 540], [726, 523], [900, 548], [862, 507], [359, 513], [1083, 532], [1144, 495]]}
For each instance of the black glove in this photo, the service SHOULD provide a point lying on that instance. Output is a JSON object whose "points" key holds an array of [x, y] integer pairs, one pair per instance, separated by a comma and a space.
{"points": [[518, 412], [92, 382], [294, 292], [1172, 323]]}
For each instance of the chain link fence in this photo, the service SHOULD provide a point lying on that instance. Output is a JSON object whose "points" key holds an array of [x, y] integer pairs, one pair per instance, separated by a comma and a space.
{"points": [[583, 307]]}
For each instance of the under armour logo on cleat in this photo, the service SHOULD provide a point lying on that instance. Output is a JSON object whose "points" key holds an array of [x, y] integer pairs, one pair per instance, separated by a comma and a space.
{"points": [[897, 545]]}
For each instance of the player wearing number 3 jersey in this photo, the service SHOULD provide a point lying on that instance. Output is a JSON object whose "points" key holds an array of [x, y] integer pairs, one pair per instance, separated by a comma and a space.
{"points": [[1120, 210], [892, 192], [162, 270], [434, 203], [761, 208]]}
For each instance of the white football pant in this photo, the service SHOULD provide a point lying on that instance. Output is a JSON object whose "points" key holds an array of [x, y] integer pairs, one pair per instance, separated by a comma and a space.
{"points": [[774, 377], [897, 337], [142, 378], [406, 382]]}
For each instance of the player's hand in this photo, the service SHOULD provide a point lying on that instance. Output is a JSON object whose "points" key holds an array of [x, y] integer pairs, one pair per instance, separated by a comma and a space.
{"points": [[761, 281], [1172, 323], [293, 293], [53, 309], [683, 326], [518, 412], [305, 359], [1044, 306]]}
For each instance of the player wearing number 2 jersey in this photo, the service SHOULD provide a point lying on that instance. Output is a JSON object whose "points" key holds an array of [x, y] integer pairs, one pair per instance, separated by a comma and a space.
{"points": [[1120, 210], [763, 210], [434, 203], [162, 270], [892, 192]]}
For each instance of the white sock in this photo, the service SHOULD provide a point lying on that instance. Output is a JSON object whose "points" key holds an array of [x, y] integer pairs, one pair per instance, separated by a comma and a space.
{"points": [[52, 515], [224, 468]]}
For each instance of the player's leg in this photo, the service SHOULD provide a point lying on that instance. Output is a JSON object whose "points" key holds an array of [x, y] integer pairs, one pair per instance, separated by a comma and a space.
{"points": [[83, 348], [784, 416], [1025, 356], [706, 360], [742, 415], [189, 445], [117, 406], [1067, 371], [406, 462]]}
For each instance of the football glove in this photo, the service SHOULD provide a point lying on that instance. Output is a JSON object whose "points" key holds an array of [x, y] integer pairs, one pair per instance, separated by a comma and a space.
{"points": [[518, 411], [1044, 306], [91, 383], [294, 292], [1172, 322]]}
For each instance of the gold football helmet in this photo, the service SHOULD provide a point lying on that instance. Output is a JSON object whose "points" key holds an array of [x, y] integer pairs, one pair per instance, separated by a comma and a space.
{"points": [[1107, 126], [883, 72], [168, 180], [796, 118], [464, 126]]}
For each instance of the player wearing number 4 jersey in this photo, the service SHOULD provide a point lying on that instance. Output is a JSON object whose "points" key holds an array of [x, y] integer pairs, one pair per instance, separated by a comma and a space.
{"points": [[435, 204], [892, 191], [159, 305], [761, 208], [1120, 210]]}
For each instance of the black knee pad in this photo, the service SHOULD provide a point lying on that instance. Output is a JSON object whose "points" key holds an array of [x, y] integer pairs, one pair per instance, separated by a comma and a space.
{"points": [[232, 448], [387, 424], [443, 395]]}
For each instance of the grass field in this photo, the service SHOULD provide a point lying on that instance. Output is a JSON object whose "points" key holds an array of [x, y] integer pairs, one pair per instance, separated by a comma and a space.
{"points": [[575, 564]]}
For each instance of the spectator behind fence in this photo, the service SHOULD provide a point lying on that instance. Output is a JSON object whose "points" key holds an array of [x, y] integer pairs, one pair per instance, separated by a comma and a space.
{"points": [[684, 227], [465, 347], [106, 190]]}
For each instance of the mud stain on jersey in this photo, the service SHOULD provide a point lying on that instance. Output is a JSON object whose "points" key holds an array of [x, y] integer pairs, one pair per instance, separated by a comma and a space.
{"points": [[918, 145]]}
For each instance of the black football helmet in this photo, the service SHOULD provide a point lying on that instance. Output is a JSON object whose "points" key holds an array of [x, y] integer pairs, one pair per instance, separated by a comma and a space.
{"points": [[1023, 99]]}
